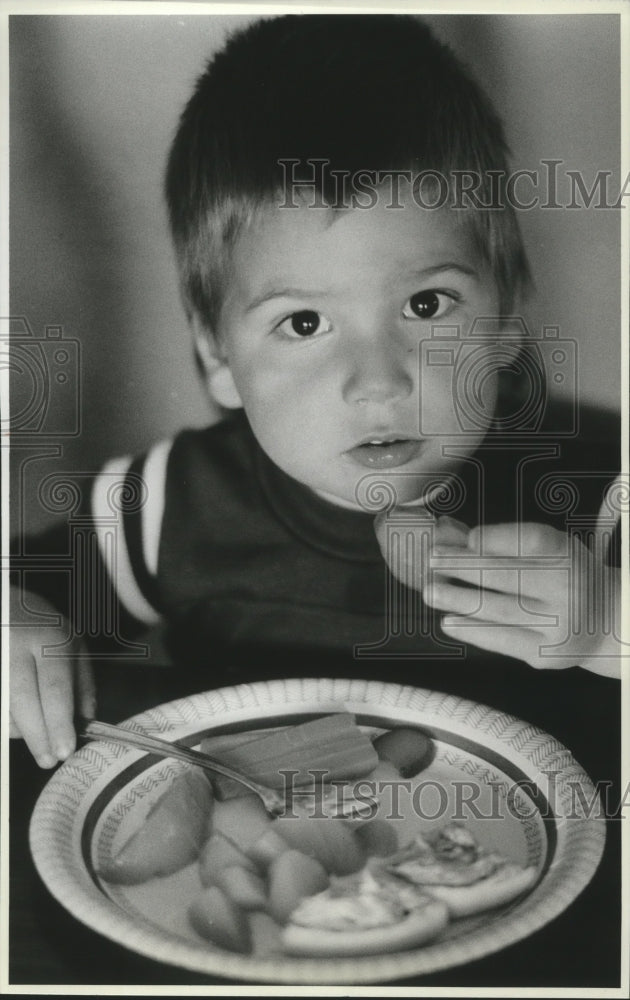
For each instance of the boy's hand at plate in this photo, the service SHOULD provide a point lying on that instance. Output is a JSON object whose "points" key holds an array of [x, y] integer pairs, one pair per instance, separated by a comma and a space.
{"points": [[45, 686], [524, 590]]}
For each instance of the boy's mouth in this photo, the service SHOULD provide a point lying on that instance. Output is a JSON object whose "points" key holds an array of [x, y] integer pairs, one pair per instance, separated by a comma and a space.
{"points": [[386, 452]]}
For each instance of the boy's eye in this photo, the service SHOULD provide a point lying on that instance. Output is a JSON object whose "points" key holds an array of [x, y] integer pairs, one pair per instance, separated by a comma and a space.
{"points": [[427, 305], [305, 323]]}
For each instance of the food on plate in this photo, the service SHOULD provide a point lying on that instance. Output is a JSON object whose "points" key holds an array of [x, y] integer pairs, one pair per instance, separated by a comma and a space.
{"points": [[243, 820], [402, 753], [396, 900], [269, 846], [408, 749], [188, 822], [453, 867], [332, 842], [328, 886], [451, 856], [504, 885], [216, 917], [245, 887], [378, 837], [406, 898], [333, 743], [292, 877], [171, 835], [221, 852], [363, 914]]}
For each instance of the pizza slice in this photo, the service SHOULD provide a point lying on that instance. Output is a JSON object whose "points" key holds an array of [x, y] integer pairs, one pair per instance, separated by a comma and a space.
{"points": [[451, 866], [364, 914]]}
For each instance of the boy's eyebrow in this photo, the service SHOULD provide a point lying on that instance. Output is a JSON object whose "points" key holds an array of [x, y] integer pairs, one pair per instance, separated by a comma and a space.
{"points": [[289, 292], [268, 294], [448, 265]]}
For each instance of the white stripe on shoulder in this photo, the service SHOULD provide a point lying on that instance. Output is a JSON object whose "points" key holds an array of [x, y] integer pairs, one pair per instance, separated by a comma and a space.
{"points": [[108, 524], [154, 475]]}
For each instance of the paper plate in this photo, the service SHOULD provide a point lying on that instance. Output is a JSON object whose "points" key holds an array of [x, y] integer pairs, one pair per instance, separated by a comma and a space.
{"points": [[519, 788]]}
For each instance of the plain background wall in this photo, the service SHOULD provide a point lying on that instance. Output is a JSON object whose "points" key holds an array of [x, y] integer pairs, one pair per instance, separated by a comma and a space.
{"points": [[94, 103]]}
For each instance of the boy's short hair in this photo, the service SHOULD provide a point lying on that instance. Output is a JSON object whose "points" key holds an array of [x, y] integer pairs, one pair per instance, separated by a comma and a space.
{"points": [[364, 92]]}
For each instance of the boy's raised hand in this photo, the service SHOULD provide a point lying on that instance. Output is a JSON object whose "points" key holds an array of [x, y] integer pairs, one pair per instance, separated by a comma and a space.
{"points": [[525, 590], [45, 689]]}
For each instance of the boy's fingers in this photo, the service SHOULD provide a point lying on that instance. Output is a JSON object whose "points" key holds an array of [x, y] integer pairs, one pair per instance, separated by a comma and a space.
{"points": [[85, 688], [55, 681], [519, 539], [444, 530], [543, 549], [403, 555], [406, 546], [482, 605], [470, 569], [518, 643], [449, 531], [26, 712], [534, 584]]}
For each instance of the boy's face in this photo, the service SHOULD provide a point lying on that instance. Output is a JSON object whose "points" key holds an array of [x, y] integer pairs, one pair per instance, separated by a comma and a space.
{"points": [[321, 332]]}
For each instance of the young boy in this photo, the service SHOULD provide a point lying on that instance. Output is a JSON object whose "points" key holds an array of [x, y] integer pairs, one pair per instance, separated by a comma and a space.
{"points": [[355, 313]]}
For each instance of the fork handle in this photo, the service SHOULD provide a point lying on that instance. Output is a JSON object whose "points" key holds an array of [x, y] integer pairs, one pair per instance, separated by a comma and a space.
{"points": [[164, 748]]}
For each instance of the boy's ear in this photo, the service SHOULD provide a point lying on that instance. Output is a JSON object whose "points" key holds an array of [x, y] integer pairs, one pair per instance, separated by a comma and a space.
{"points": [[215, 370]]}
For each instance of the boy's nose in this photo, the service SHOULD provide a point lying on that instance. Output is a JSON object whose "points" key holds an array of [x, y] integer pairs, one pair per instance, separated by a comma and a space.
{"points": [[380, 372]]}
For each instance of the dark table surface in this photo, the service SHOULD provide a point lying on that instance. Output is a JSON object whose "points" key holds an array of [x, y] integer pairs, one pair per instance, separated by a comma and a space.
{"points": [[580, 948]]}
